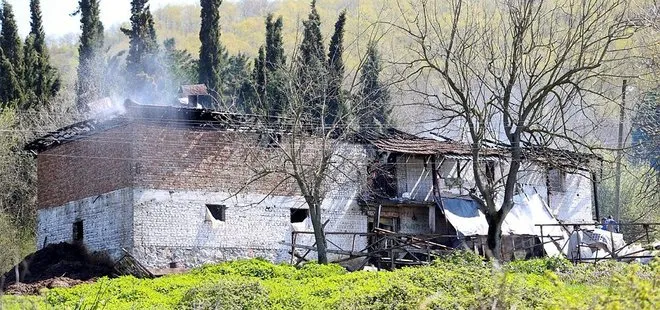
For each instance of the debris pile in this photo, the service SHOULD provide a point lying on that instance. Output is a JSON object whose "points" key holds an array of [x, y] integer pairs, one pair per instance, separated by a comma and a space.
{"points": [[56, 265]]}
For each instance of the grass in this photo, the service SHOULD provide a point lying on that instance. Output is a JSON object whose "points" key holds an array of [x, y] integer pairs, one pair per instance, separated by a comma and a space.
{"points": [[458, 282]]}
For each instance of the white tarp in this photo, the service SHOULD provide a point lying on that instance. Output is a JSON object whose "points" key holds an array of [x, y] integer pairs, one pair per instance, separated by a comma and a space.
{"points": [[528, 211], [465, 216], [595, 243]]}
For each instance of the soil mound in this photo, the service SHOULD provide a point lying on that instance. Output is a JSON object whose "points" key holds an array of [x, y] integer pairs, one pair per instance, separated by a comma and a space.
{"points": [[54, 265]]}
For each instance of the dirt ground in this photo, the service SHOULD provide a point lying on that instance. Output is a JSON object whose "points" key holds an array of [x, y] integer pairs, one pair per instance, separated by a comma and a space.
{"points": [[56, 265]]}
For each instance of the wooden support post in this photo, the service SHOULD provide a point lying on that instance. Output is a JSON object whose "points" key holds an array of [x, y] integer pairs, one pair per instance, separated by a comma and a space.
{"points": [[576, 229], [612, 241], [377, 217], [293, 246], [432, 218]]}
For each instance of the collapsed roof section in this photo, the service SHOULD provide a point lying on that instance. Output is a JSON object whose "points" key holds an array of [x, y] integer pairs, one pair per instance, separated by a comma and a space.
{"points": [[397, 141], [154, 114]]}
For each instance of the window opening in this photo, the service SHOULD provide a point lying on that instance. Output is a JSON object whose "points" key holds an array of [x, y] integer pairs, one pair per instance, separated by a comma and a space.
{"points": [[299, 215], [78, 232], [217, 211]]}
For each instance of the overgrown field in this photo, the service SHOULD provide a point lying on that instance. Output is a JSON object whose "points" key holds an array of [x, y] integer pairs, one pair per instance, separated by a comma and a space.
{"points": [[458, 282]]}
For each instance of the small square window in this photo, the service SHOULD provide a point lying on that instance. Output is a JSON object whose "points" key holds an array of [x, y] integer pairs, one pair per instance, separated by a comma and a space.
{"points": [[78, 232], [299, 215], [217, 211]]}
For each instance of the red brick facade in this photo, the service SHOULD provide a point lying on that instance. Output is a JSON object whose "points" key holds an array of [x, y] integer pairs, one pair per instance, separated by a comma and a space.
{"points": [[156, 156], [180, 158], [83, 168]]}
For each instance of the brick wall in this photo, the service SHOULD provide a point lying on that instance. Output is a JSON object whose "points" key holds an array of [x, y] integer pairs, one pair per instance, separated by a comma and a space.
{"points": [[151, 155], [87, 167]]}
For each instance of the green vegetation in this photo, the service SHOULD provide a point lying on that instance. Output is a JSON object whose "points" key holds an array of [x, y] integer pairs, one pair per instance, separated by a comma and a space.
{"points": [[211, 51], [142, 67], [89, 86], [459, 282], [374, 98]]}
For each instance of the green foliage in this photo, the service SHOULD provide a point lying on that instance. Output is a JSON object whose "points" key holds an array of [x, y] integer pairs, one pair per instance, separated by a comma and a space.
{"points": [[211, 51], [11, 60], [180, 67], [374, 109], [143, 70], [457, 282], [336, 71], [42, 82], [312, 68], [89, 85], [231, 293], [14, 242], [540, 266], [640, 194]]}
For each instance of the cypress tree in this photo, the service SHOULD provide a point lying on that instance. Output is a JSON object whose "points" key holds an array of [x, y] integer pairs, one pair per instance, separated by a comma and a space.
{"points": [[211, 51], [274, 44], [311, 47], [275, 60], [11, 59], [90, 73], [10, 88], [142, 66], [336, 71], [11, 42], [259, 79], [41, 79], [236, 80], [374, 109], [312, 71]]}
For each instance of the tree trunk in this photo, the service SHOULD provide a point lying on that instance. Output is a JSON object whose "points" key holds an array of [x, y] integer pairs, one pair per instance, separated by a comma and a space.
{"points": [[494, 238], [319, 232]]}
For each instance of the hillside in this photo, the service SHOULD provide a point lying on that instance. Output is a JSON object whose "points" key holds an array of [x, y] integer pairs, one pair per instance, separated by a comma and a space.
{"points": [[242, 28]]}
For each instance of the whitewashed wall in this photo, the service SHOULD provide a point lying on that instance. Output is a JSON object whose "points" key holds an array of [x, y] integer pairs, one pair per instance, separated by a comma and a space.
{"points": [[107, 222], [574, 204], [173, 226]]}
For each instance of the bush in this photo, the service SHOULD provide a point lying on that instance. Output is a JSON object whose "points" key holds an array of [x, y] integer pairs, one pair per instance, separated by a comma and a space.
{"points": [[232, 293], [540, 266]]}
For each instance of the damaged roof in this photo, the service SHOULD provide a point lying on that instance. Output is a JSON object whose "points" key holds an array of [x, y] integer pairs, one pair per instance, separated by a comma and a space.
{"points": [[194, 90], [401, 142], [397, 141], [170, 115]]}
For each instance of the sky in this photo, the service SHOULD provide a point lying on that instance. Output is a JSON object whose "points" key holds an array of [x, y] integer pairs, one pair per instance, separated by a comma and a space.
{"points": [[58, 20]]}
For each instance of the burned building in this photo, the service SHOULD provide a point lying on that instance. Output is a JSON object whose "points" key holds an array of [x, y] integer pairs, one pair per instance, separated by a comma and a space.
{"points": [[171, 185], [424, 186], [168, 184]]}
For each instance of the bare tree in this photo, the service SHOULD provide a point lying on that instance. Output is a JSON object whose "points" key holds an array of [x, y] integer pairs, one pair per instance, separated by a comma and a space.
{"points": [[301, 152], [515, 73]]}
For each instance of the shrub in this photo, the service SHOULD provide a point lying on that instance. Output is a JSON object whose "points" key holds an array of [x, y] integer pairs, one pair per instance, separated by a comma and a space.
{"points": [[232, 293]]}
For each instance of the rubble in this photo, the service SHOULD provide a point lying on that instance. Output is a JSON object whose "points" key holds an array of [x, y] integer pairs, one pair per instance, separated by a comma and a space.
{"points": [[56, 265]]}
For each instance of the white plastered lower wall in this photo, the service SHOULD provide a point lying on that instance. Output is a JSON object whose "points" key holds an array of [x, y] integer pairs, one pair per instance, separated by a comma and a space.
{"points": [[173, 226], [107, 222]]}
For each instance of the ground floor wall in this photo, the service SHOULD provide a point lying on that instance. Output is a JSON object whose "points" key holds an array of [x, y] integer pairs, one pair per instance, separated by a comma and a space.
{"points": [[159, 227], [101, 222], [178, 226]]}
